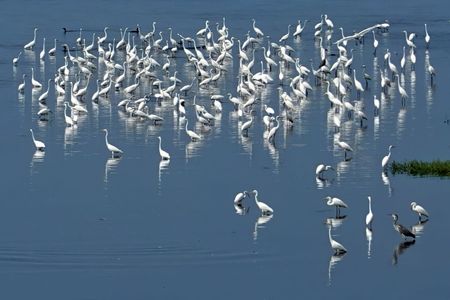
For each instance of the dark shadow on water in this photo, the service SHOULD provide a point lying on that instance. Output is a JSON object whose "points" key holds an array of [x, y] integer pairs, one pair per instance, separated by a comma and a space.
{"points": [[400, 249]]}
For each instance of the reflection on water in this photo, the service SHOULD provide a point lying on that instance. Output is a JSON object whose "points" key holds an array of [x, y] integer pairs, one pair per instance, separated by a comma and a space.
{"points": [[412, 91], [192, 149], [110, 167], [274, 154], [335, 222], [163, 169], [387, 182], [70, 133], [419, 228], [334, 260], [323, 182], [36, 161], [240, 209], [369, 242], [400, 249], [376, 127], [401, 121], [260, 223]]}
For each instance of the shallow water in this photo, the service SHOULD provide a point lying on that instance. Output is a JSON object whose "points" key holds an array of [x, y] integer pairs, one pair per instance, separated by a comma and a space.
{"points": [[75, 223]]}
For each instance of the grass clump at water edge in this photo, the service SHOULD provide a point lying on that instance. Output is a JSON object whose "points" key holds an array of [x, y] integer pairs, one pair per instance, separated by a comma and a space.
{"points": [[422, 168]]}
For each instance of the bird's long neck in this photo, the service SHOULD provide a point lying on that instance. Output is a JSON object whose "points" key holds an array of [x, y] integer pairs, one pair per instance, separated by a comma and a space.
{"points": [[159, 144], [256, 197], [329, 234], [32, 135], [106, 137], [370, 205]]}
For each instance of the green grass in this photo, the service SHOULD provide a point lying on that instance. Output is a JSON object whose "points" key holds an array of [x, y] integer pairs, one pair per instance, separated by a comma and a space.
{"points": [[422, 168]]}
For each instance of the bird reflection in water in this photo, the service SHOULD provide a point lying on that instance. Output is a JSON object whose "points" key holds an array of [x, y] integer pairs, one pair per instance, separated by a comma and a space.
{"points": [[418, 228], [335, 222], [274, 154], [387, 182], [260, 223], [369, 242], [36, 160], [400, 249], [240, 209], [111, 166], [323, 182], [69, 136], [192, 149], [247, 145], [163, 168], [334, 259]]}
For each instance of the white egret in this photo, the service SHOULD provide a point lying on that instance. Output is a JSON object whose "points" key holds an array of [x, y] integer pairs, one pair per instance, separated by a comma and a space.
{"points": [[409, 42], [369, 216], [273, 131], [114, 150], [52, 51], [40, 146], [403, 60], [427, 37], [21, 86], [344, 146], [67, 119], [269, 110], [385, 159], [164, 154], [413, 59], [401, 90], [358, 85], [321, 169], [265, 209], [286, 36], [240, 196], [247, 125], [44, 95], [402, 230], [258, 31], [15, 60], [375, 44], [376, 104], [31, 44], [432, 72], [36, 84], [336, 202], [419, 210], [336, 246], [42, 54], [194, 136]]}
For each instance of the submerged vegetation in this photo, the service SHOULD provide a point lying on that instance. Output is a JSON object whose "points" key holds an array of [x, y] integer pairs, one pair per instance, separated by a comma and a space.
{"points": [[422, 168]]}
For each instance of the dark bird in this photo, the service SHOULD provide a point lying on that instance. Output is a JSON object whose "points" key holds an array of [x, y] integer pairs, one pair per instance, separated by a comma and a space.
{"points": [[405, 232]]}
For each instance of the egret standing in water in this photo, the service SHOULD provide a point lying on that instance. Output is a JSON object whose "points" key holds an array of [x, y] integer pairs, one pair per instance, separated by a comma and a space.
{"points": [[369, 216], [240, 196], [40, 146], [265, 209], [164, 154], [114, 150], [419, 210], [427, 37], [385, 159], [336, 246], [346, 147], [338, 203], [404, 232], [321, 169]]}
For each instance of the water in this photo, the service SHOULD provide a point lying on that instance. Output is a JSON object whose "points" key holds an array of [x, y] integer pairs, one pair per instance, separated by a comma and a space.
{"points": [[75, 223]]}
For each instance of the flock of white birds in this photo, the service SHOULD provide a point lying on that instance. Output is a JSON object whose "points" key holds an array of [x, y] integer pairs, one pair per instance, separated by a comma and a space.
{"points": [[147, 61]]}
